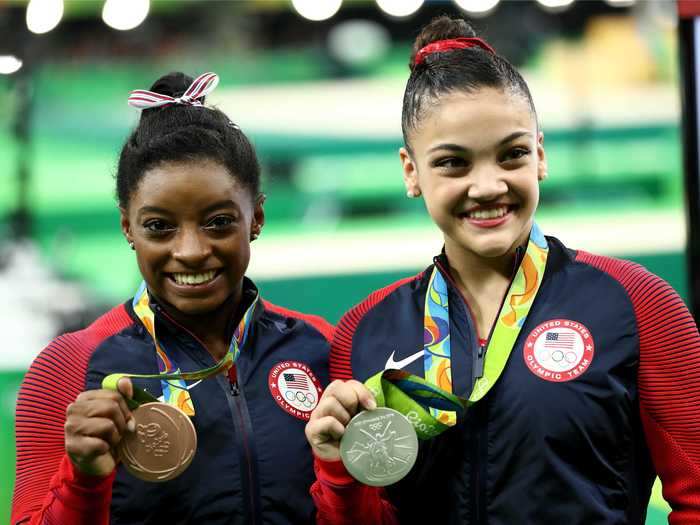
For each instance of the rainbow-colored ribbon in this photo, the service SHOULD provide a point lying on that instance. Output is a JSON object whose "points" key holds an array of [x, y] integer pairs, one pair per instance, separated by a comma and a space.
{"points": [[173, 381], [429, 403]]}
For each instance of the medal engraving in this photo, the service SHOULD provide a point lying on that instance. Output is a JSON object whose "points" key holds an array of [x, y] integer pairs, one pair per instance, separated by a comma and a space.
{"points": [[154, 439], [163, 444], [379, 447]]}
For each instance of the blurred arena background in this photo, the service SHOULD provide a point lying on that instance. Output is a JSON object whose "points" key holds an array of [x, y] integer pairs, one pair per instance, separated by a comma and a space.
{"points": [[317, 84]]}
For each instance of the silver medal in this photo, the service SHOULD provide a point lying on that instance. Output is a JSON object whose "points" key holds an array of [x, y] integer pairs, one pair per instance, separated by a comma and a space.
{"points": [[379, 447]]}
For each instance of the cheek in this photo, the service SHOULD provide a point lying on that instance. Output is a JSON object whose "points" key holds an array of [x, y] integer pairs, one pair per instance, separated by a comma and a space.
{"points": [[148, 260], [238, 253], [148, 267], [443, 196], [525, 182], [532, 190], [244, 255], [441, 203]]}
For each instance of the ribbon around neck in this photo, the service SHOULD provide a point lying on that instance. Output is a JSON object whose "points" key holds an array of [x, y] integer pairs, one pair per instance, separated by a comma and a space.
{"points": [[429, 403], [141, 396], [201, 86], [173, 381]]}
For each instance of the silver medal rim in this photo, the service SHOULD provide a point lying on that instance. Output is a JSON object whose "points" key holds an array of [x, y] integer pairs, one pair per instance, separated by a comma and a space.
{"points": [[346, 444]]}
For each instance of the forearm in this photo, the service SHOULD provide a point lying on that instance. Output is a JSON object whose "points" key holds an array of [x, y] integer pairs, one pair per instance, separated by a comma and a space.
{"points": [[669, 386], [73, 498]]}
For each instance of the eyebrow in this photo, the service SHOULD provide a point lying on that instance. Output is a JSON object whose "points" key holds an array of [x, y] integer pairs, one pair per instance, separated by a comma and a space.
{"points": [[226, 203], [515, 135], [459, 149]]}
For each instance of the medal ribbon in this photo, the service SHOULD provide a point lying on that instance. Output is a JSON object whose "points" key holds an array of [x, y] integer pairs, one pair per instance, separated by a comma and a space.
{"points": [[172, 380], [429, 403]]}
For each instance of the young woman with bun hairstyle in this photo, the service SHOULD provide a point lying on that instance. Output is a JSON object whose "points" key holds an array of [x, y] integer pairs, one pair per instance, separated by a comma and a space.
{"points": [[578, 375], [223, 444]]}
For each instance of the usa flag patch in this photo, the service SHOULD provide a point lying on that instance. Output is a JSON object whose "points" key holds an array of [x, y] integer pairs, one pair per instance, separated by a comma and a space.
{"points": [[295, 388], [559, 350]]}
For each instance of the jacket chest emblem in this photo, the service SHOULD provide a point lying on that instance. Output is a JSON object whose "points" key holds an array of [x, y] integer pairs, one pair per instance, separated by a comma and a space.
{"points": [[559, 350], [295, 388]]}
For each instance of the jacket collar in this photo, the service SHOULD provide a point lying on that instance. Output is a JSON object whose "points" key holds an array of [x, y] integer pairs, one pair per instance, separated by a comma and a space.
{"points": [[164, 321]]}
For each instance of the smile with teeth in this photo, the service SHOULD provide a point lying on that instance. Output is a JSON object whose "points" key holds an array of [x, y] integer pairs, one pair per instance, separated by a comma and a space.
{"points": [[193, 278], [491, 213]]}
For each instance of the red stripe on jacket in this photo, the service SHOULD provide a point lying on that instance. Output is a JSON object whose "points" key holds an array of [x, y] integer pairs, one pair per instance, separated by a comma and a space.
{"points": [[338, 497], [48, 490], [319, 323], [668, 380], [341, 348]]}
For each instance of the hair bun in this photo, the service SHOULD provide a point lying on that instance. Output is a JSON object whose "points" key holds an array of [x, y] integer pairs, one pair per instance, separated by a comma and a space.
{"points": [[173, 84], [441, 28]]}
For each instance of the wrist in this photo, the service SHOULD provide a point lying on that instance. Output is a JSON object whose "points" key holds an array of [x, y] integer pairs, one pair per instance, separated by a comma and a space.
{"points": [[89, 471], [81, 492], [332, 471], [327, 454]]}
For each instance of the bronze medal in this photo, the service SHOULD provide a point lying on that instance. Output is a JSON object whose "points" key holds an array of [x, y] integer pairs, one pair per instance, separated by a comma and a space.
{"points": [[162, 446]]}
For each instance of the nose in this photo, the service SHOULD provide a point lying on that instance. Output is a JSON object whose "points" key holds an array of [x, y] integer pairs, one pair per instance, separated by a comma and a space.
{"points": [[486, 184], [191, 247]]}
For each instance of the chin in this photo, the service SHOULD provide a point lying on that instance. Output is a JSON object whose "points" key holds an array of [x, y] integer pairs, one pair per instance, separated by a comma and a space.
{"points": [[489, 247], [493, 251], [192, 307]]}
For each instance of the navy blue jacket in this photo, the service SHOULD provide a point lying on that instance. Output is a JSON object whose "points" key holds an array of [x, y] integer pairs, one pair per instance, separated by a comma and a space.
{"points": [[252, 465], [602, 384]]}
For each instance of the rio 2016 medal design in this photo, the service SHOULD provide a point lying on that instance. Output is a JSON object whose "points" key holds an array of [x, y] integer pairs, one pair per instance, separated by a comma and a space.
{"points": [[165, 440], [379, 447], [162, 446]]}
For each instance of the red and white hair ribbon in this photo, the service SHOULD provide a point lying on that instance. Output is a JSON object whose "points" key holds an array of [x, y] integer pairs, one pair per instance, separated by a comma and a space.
{"points": [[202, 85]]}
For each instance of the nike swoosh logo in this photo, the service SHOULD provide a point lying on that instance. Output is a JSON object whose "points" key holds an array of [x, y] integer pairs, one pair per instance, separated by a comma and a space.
{"points": [[162, 397], [390, 363]]}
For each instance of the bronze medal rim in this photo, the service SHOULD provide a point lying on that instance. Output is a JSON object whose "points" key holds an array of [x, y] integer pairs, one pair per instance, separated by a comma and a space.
{"points": [[183, 444], [345, 445]]}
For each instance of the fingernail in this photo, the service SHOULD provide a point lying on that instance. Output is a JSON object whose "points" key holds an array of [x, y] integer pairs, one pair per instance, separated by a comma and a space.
{"points": [[371, 404], [131, 425]]}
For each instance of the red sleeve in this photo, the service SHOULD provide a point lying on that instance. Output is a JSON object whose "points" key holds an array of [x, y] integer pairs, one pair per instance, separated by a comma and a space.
{"points": [[340, 500], [669, 383], [338, 497], [48, 490]]}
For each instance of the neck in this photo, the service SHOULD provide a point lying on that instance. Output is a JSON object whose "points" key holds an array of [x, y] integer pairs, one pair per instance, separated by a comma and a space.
{"points": [[483, 282], [211, 328], [474, 273]]}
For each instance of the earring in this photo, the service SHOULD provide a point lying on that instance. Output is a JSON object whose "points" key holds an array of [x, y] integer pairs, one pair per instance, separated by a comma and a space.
{"points": [[412, 194], [131, 245], [254, 236]]}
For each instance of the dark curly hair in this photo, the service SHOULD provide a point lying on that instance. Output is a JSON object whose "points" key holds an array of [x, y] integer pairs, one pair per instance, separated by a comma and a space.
{"points": [[180, 132], [455, 70]]}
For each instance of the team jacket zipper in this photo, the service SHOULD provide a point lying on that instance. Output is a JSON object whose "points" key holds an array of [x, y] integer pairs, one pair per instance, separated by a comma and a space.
{"points": [[242, 425], [249, 476], [479, 448]]}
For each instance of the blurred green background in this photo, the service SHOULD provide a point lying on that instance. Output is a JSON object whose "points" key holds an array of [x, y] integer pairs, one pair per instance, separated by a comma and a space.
{"points": [[321, 101]]}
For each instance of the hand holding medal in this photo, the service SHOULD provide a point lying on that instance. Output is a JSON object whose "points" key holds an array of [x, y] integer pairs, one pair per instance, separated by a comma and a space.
{"points": [[95, 423], [164, 440], [379, 447], [155, 441]]}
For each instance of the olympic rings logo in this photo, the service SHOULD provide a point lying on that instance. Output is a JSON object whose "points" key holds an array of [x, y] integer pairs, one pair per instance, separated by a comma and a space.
{"points": [[307, 400], [295, 388]]}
